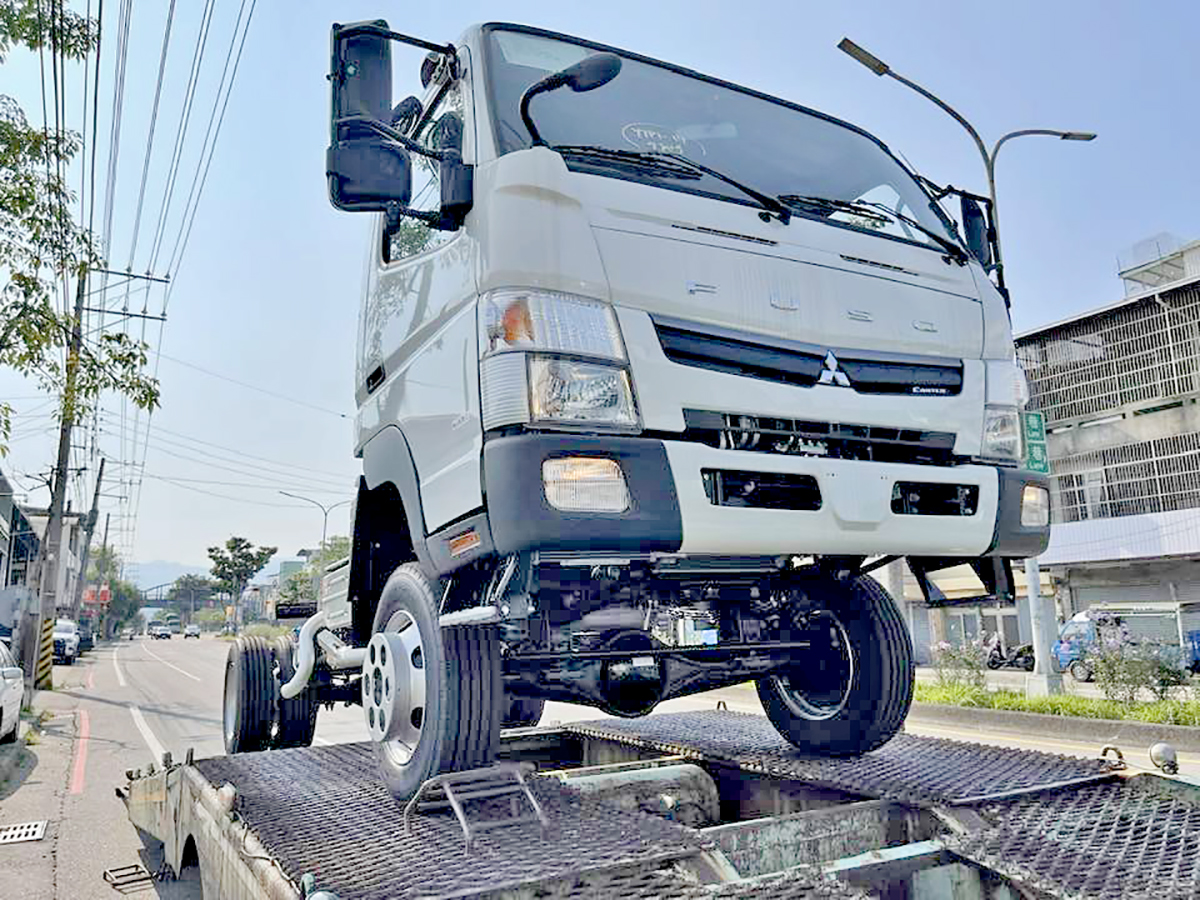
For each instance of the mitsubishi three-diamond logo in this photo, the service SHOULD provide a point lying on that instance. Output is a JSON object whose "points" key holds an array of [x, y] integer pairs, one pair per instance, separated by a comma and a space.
{"points": [[831, 374]]}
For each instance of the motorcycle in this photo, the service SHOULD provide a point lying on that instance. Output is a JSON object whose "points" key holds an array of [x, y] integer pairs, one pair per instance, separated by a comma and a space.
{"points": [[1019, 657]]}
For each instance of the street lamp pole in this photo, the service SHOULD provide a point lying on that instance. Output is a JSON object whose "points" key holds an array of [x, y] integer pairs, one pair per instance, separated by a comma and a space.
{"points": [[1042, 615], [325, 511], [881, 68]]}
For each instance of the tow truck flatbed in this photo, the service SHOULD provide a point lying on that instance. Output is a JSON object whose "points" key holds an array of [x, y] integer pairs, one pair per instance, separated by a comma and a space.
{"points": [[688, 805]]}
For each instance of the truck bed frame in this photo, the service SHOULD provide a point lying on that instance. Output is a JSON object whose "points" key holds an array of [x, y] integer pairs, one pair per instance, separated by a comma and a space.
{"points": [[691, 805]]}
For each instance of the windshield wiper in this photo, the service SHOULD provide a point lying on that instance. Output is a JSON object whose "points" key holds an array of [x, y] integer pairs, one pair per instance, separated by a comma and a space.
{"points": [[630, 158], [879, 212], [682, 167]]}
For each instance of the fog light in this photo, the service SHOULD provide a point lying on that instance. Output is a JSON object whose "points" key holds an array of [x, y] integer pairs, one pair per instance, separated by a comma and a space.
{"points": [[579, 483], [1035, 507]]}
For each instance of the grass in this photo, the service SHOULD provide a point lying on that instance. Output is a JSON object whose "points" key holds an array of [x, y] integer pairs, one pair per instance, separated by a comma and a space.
{"points": [[1166, 712], [266, 631]]}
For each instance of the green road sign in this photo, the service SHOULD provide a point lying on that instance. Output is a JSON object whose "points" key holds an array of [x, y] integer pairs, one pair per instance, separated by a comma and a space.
{"points": [[1037, 459], [1035, 427]]}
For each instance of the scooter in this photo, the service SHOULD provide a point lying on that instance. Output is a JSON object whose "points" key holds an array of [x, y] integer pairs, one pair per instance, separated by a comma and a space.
{"points": [[1020, 657]]}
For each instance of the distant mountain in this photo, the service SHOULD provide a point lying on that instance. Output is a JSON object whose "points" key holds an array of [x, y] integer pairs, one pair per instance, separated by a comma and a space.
{"points": [[151, 574]]}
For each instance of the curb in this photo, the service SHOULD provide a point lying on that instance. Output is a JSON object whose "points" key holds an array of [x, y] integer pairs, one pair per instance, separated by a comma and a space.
{"points": [[1075, 728]]}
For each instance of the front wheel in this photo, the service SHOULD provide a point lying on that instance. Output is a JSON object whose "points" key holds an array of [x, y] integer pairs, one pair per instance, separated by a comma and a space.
{"points": [[432, 696], [850, 691], [1080, 670]]}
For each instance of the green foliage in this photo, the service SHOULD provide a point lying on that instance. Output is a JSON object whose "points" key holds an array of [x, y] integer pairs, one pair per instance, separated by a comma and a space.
{"points": [[41, 247], [189, 588], [1125, 672], [270, 632], [298, 588], [103, 565], [209, 616], [1178, 711], [237, 562], [961, 667]]}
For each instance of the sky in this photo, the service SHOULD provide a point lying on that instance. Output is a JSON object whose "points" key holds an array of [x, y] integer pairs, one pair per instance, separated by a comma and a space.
{"points": [[256, 355]]}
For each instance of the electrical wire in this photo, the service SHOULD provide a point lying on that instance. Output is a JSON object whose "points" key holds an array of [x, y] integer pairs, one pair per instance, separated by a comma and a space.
{"points": [[253, 387]]}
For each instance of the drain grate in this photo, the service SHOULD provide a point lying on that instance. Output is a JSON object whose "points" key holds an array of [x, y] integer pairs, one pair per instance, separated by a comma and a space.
{"points": [[1121, 841], [920, 771], [26, 831]]}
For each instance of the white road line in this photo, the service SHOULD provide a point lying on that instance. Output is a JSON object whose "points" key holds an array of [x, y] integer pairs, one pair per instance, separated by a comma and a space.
{"points": [[120, 675], [172, 665], [147, 735]]}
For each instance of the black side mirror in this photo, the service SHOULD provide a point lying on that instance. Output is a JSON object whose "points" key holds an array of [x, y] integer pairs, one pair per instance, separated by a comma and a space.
{"points": [[457, 179], [975, 231], [366, 171], [588, 74]]}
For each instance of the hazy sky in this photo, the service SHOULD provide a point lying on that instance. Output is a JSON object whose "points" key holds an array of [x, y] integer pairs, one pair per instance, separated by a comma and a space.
{"points": [[268, 288]]}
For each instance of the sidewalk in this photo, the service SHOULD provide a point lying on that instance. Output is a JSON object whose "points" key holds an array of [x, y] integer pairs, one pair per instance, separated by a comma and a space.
{"points": [[36, 790]]}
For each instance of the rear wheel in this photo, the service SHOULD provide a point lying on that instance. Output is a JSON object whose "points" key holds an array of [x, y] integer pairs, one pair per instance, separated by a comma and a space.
{"points": [[10, 736], [523, 712], [850, 691], [295, 719], [432, 696], [249, 695]]}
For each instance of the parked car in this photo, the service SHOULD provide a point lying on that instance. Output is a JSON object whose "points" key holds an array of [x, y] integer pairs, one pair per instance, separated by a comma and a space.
{"points": [[127, 633], [160, 632], [66, 641], [192, 631], [87, 640], [12, 696]]}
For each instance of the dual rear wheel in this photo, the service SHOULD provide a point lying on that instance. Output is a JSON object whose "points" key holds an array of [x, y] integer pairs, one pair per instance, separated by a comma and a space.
{"points": [[255, 716]]}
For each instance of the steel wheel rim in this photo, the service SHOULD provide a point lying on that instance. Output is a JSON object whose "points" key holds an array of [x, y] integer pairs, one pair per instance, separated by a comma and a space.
{"points": [[398, 687], [798, 703], [231, 702]]}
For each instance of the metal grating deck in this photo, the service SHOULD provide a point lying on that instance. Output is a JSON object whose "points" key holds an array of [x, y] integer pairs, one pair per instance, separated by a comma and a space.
{"points": [[1124, 841], [325, 810], [919, 771]]}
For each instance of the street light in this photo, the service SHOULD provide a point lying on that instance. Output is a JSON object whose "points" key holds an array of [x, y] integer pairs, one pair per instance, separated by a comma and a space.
{"points": [[325, 511], [879, 67]]}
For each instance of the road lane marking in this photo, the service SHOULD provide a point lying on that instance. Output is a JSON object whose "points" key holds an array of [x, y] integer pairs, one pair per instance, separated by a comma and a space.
{"points": [[156, 749], [172, 665], [120, 674], [79, 769]]}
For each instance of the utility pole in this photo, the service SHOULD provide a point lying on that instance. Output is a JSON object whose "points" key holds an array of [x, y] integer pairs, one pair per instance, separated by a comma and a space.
{"points": [[88, 529], [50, 555]]}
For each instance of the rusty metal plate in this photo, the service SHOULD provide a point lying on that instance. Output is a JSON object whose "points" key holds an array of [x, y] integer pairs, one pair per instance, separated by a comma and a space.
{"points": [[325, 810], [1121, 841], [920, 771]]}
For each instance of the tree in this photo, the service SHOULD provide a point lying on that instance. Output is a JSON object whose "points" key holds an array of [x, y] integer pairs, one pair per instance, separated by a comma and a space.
{"points": [[298, 588], [41, 247], [104, 565], [334, 548], [236, 563], [189, 589]]}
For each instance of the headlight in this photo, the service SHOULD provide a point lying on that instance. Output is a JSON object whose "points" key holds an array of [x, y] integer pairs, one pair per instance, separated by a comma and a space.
{"points": [[1004, 390], [1035, 506], [570, 391], [552, 359], [1001, 433]]}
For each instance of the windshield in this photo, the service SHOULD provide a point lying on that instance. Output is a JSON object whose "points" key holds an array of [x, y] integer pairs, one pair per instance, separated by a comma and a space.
{"points": [[776, 148], [64, 627]]}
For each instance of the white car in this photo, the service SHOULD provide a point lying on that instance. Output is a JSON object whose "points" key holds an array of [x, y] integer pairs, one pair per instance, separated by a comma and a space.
{"points": [[66, 641], [191, 631], [12, 695]]}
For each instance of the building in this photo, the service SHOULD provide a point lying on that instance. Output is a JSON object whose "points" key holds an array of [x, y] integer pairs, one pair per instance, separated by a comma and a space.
{"points": [[1119, 388], [72, 540]]}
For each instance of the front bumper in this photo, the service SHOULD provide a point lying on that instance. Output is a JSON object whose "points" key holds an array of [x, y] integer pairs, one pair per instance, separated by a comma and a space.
{"points": [[671, 512]]}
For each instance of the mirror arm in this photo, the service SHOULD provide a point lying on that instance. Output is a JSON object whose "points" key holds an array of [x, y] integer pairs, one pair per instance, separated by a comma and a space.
{"points": [[378, 31], [395, 212], [390, 133], [540, 88]]}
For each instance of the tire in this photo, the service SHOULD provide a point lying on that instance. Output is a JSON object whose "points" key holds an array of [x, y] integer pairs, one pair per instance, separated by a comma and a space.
{"points": [[249, 696], [994, 662], [1080, 670], [458, 724], [295, 719], [1028, 663], [10, 736], [876, 677], [523, 712]]}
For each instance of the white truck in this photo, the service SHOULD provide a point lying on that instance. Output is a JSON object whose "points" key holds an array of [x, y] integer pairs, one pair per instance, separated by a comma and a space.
{"points": [[653, 370]]}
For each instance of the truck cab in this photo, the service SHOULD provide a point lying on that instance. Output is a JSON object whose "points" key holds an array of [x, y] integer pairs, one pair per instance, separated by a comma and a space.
{"points": [[653, 370]]}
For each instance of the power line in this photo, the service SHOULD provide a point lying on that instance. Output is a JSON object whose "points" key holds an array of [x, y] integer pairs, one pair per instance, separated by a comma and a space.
{"points": [[254, 387], [197, 490], [253, 485]]}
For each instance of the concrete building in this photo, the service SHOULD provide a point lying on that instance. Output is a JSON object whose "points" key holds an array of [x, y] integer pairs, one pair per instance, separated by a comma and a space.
{"points": [[1119, 388], [72, 539]]}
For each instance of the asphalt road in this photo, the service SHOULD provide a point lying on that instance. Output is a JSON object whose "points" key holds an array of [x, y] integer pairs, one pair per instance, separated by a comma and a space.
{"points": [[128, 701]]}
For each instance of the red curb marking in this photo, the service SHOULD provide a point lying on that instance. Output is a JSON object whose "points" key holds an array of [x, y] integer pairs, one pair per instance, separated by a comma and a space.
{"points": [[80, 767]]}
